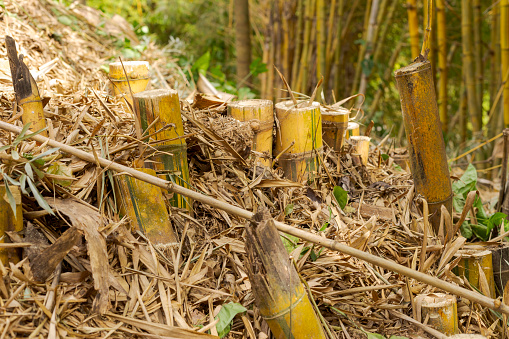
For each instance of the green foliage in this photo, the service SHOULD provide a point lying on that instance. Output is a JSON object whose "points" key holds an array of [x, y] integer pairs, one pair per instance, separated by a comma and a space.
{"points": [[288, 209], [290, 242], [226, 315], [341, 196]]}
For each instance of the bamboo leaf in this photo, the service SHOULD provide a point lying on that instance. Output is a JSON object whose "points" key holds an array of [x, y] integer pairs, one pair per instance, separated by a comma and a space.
{"points": [[22, 133], [15, 154], [288, 209], [39, 173], [10, 198], [341, 196], [226, 315], [28, 170], [23, 182], [48, 152], [38, 197]]}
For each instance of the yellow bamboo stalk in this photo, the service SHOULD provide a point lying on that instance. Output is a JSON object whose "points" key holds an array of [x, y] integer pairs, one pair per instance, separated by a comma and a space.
{"points": [[440, 309], [10, 222], [320, 38], [170, 162], [413, 27], [478, 47], [370, 36], [442, 63], [299, 44], [477, 267], [307, 50], [334, 125], [353, 129], [504, 46], [329, 48], [426, 143], [302, 127], [468, 65], [260, 114], [137, 74]]}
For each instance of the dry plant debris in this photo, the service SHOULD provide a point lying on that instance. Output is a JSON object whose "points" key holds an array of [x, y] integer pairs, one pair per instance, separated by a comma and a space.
{"points": [[114, 283]]}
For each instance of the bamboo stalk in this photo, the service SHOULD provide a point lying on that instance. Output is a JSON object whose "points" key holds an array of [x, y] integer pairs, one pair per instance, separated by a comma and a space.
{"points": [[477, 267], [440, 309], [503, 180], [362, 48], [137, 74], [379, 43], [504, 49], [334, 125], [298, 49], [442, 63], [10, 222], [242, 213], [371, 35], [478, 48], [413, 27], [320, 39]]}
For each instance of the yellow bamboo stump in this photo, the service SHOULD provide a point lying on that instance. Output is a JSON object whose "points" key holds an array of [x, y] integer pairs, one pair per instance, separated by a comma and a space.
{"points": [[352, 130], [10, 222], [471, 264], [361, 147], [279, 294], [334, 126], [170, 161], [260, 114], [298, 139], [428, 160], [144, 204], [440, 310], [137, 74]]}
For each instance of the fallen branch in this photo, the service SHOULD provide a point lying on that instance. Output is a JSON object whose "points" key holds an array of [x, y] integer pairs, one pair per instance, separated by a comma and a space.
{"points": [[473, 296]]}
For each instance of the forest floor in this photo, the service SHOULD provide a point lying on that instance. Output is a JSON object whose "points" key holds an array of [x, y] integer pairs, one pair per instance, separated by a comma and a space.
{"points": [[114, 283]]}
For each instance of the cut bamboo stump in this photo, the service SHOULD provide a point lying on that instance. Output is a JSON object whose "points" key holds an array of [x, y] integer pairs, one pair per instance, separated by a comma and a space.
{"points": [[171, 161], [299, 139], [10, 222], [334, 125], [278, 291], [428, 160], [145, 206], [477, 267], [260, 114], [500, 259], [137, 74], [353, 129], [361, 147], [439, 310]]}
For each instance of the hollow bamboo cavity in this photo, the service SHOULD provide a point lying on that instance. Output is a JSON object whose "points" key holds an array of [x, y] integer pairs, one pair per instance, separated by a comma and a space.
{"points": [[441, 311], [299, 136], [145, 206], [352, 130], [428, 159], [334, 125], [278, 291], [361, 147], [170, 160], [137, 74], [477, 267], [9, 222], [260, 114]]}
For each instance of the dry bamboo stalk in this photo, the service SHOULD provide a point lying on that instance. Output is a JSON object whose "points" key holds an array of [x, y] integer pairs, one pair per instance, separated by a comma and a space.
{"points": [[9, 222], [334, 125], [242, 213], [413, 27], [441, 311]]}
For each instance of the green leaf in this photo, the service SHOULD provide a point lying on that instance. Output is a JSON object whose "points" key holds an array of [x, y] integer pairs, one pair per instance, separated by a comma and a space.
{"points": [[15, 154], [39, 173], [257, 67], [466, 230], [59, 168], [324, 226], [480, 231], [202, 64], [22, 133], [23, 182], [385, 156], [341, 196], [290, 242], [288, 209], [226, 315], [48, 152], [374, 336], [38, 197], [10, 197], [28, 170], [64, 20], [397, 337], [467, 182]]}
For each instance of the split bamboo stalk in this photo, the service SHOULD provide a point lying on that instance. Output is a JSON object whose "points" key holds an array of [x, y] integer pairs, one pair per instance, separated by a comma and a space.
{"points": [[477, 267], [10, 222], [440, 309], [242, 213], [468, 65], [442, 63], [260, 114], [428, 159], [25, 87], [413, 27], [504, 51], [137, 74], [301, 125], [361, 147], [279, 294], [334, 125], [171, 162]]}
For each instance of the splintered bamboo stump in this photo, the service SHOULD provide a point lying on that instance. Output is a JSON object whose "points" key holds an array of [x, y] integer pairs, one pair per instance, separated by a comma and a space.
{"points": [[145, 206], [170, 162], [439, 310], [27, 92], [279, 294], [361, 147], [477, 267], [260, 114], [299, 139], [334, 125], [137, 74], [9, 222], [352, 130], [428, 160]]}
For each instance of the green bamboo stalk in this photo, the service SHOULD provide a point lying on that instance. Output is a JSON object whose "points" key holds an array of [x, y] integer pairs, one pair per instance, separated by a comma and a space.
{"points": [[328, 46], [305, 60]]}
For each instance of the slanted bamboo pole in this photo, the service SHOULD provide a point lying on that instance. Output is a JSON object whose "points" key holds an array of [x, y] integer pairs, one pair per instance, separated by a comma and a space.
{"points": [[302, 126], [468, 65], [442, 63], [279, 294], [477, 267], [504, 51], [428, 159], [25, 87], [10, 222], [413, 27], [260, 114], [170, 161], [242, 213], [440, 309], [137, 74]]}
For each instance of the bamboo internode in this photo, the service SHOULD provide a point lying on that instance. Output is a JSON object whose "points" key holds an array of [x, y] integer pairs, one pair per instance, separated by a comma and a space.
{"points": [[428, 159], [477, 267], [10, 222], [334, 125], [299, 138], [440, 309], [260, 113], [413, 27], [137, 74]]}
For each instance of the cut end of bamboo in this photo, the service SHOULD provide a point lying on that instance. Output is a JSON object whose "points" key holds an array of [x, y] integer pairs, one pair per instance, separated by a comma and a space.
{"points": [[334, 126], [135, 70], [353, 129], [361, 147], [440, 310]]}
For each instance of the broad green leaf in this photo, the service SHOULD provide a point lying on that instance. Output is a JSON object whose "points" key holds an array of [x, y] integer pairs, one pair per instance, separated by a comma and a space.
{"points": [[202, 64], [10, 180], [64, 20], [467, 182], [257, 67], [288, 209], [226, 315], [290, 242], [38, 197], [39, 173], [341, 196], [10, 198], [385, 156], [480, 231], [466, 230]]}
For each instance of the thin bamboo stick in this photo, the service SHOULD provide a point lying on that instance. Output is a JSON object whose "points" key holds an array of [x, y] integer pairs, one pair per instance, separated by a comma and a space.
{"points": [[473, 296]]}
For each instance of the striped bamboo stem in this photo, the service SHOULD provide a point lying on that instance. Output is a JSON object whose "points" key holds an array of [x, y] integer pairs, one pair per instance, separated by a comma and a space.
{"points": [[477, 267]]}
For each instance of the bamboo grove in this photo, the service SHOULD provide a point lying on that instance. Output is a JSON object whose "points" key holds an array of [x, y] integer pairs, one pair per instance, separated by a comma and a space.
{"points": [[356, 45]]}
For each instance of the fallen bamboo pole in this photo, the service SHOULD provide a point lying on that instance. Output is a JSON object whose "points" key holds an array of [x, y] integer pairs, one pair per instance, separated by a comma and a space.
{"points": [[304, 235]]}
